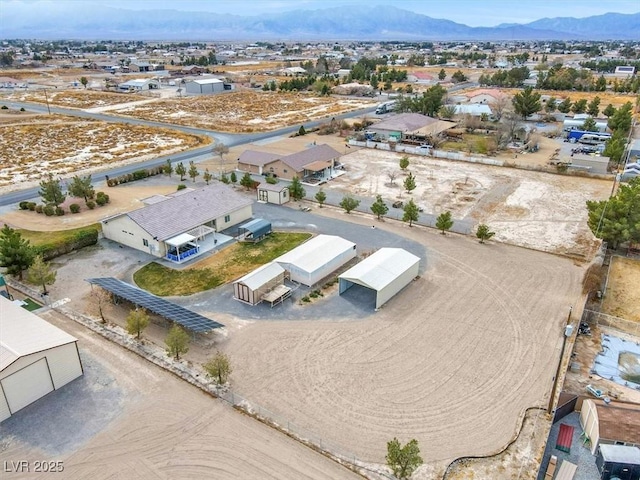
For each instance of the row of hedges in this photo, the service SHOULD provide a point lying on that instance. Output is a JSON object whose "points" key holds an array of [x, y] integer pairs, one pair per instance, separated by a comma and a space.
{"points": [[137, 175], [83, 237], [50, 210]]}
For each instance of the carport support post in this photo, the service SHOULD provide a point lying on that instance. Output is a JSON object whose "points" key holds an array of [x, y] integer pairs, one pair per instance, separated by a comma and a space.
{"points": [[566, 334]]}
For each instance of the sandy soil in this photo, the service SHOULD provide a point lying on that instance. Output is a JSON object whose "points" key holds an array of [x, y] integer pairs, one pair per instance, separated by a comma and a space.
{"points": [[427, 366], [169, 429], [622, 298], [75, 98], [532, 209]]}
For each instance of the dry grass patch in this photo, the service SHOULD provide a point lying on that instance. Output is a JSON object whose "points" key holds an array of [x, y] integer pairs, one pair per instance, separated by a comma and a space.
{"points": [[244, 111], [75, 98], [622, 298], [223, 267]]}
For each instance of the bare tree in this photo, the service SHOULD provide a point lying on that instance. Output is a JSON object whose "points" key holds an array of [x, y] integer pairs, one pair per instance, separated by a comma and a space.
{"points": [[471, 123], [499, 106], [100, 302], [221, 150], [508, 129], [392, 175]]}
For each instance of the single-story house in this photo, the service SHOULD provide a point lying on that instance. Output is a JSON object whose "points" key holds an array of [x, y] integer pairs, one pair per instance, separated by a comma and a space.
{"points": [[624, 71], [421, 77], [473, 109], [140, 67], [277, 193], [193, 70], [139, 85], [256, 286], [395, 126], [8, 82], [386, 272], [36, 358], [317, 258], [293, 71], [484, 96], [203, 86], [255, 230], [610, 423], [314, 163], [180, 225]]}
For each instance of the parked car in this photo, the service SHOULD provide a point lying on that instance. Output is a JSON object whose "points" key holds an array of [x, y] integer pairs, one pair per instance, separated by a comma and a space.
{"points": [[397, 204]]}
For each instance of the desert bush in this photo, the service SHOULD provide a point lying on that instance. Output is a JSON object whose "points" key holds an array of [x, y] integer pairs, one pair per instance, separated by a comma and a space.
{"points": [[91, 204], [140, 174], [306, 299], [31, 206], [59, 211], [24, 205], [22, 109], [4, 107], [39, 208], [74, 208], [272, 180], [182, 186], [48, 210], [102, 198]]}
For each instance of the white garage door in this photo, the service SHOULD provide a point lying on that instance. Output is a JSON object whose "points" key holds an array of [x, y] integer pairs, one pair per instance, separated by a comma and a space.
{"points": [[27, 385]]}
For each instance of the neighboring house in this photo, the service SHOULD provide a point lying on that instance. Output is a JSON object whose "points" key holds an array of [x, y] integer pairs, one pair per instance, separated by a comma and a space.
{"points": [[421, 77], [140, 67], [297, 71], [36, 358], [182, 225], [139, 85], [8, 82], [473, 109], [625, 71], [313, 164], [193, 70], [484, 96], [613, 423], [408, 125], [204, 86], [277, 193]]}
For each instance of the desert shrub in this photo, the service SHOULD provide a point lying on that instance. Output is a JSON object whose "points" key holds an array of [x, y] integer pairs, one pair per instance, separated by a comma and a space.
{"points": [[272, 180], [39, 208], [4, 107], [91, 204], [140, 174], [24, 205], [59, 211], [31, 206], [48, 210], [313, 294], [102, 198], [306, 299], [74, 208], [111, 182], [22, 109], [182, 186]]}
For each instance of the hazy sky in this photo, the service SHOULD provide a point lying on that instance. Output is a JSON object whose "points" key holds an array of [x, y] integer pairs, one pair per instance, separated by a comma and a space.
{"points": [[469, 12]]}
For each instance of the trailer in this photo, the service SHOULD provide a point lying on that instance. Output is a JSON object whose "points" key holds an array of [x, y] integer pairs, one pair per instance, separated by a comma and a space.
{"points": [[577, 123], [589, 138], [385, 108]]}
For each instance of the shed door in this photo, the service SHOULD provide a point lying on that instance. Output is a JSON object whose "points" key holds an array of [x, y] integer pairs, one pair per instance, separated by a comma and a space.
{"points": [[27, 385]]}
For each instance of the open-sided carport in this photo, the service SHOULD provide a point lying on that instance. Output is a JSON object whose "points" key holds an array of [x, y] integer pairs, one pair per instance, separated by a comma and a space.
{"points": [[386, 272]]}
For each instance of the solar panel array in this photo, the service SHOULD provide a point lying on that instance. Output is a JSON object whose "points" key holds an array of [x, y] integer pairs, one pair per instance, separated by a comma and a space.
{"points": [[169, 310]]}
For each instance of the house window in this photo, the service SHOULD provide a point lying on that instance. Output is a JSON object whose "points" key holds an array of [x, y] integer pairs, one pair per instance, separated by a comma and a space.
{"points": [[284, 193], [285, 171], [145, 242], [227, 218], [271, 169]]}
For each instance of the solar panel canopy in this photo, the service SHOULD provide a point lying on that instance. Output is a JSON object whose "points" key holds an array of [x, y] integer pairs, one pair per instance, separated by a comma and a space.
{"points": [[169, 310]]}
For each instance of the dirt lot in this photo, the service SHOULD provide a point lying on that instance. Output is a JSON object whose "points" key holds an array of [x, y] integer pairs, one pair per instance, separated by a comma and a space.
{"points": [[76, 98], [166, 428], [37, 145], [533, 209], [622, 298]]}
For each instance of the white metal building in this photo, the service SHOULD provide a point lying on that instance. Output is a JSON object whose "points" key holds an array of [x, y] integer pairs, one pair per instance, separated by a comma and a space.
{"points": [[317, 258], [36, 358], [386, 272], [255, 286], [203, 86]]}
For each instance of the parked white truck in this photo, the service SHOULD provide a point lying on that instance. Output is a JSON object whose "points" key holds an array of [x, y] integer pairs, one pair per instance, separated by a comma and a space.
{"points": [[385, 108]]}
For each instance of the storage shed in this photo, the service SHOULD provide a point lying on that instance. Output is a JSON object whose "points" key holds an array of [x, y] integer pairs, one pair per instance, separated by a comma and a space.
{"points": [[36, 358], [386, 272], [317, 258], [619, 462], [273, 193], [255, 230], [203, 86], [254, 286]]}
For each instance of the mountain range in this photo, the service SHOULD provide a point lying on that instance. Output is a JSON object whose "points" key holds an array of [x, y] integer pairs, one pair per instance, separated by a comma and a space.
{"points": [[84, 21]]}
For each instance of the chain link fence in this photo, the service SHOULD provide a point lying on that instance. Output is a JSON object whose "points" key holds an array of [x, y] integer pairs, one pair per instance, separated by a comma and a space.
{"points": [[602, 319]]}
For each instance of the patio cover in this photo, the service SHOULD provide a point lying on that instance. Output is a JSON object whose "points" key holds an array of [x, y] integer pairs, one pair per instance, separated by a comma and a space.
{"points": [[180, 240], [317, 166]]}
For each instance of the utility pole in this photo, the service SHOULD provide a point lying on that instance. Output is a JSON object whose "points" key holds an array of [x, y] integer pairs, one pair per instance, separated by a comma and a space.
{"points": [[47, 99]]}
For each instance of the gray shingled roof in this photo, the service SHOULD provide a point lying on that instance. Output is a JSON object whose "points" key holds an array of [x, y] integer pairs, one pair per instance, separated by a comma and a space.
{"points": [[176, 215], [299, 160], [253, 157], [405, 122]]}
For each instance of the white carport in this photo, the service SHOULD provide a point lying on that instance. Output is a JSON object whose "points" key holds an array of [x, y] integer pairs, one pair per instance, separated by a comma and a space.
{"points": [[386, 272], [255, 286], [36, 358], [317, 258]]}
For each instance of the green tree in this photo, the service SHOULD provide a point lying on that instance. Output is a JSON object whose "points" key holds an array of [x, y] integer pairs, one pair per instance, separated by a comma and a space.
{"points": [[16, 253], [404, 162], [609, 111], [321, 197], [180, 170], [411, 212], [410, 183], [387, 85], [589, 125], [84, 81], [349, 203], [444, 222], [167, 168], [617, 219], [302, 131], [593, 108], [442, 75], [219, 368], [551, 105], [458, 77], [51, 191], [565, 106], [379, 208], [193, 171], [246, 181], [526, 103], [177, 342], [373, 81], [579, 106], [296, 190], [621, 120], [484, 232], [40, 273], [81, 187], [403, 461], [447, 111], [615, 147], [137, 321], [233, 177], [207, 177], [224, 178]]}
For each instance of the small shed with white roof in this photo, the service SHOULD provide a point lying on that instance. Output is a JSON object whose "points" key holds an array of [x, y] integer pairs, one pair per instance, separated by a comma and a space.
{"points": [[256, 286], [386, 272], [36, 358]]}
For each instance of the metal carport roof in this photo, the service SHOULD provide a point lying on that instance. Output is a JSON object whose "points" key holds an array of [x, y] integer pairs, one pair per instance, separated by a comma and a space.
{"points": [[169, 310]]}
